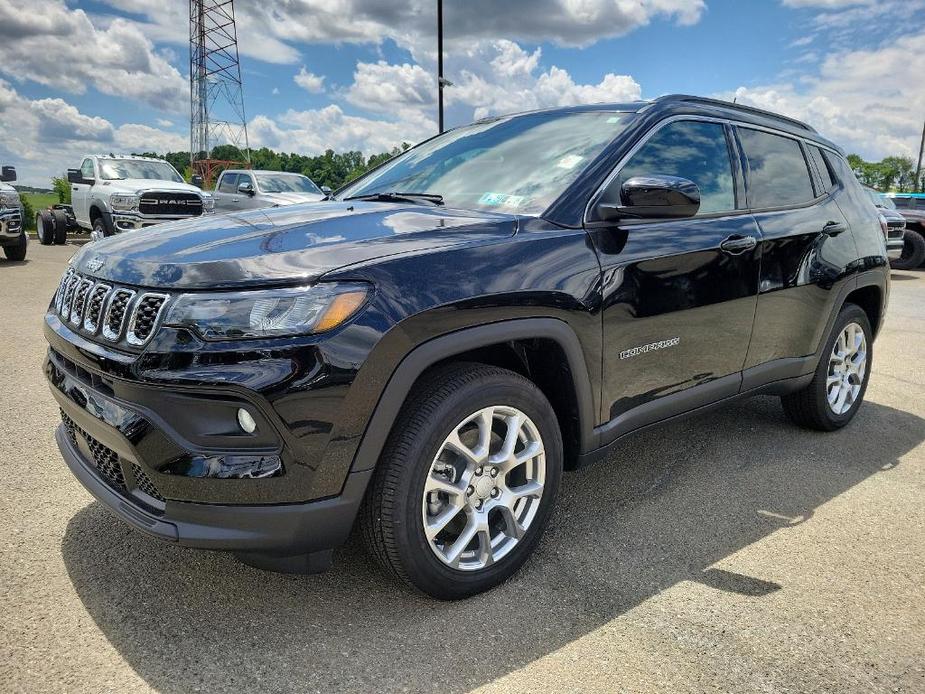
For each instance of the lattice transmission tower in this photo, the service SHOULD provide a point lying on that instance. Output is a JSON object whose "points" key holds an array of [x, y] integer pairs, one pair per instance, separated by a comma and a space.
{"points": [[216, 90]]}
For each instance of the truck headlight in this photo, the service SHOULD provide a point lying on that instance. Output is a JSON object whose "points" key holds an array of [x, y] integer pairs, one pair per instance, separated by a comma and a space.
{"points": [[9, 200], [123, 203], [268, 313], [208, 203]]}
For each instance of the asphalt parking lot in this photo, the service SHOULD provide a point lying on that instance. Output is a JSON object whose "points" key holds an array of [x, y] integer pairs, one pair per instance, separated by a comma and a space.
{"points": [[727, 552]]}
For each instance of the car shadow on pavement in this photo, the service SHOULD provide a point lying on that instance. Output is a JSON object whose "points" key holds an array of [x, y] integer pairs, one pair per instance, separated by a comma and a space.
{"points": [[671, 503]]}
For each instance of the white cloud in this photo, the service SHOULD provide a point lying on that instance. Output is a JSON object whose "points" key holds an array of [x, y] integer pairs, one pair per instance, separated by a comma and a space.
{"points": [[388, 88], [52, 135], [827, 4], [163, 122], [864, 100], [310, 82], [62, 48]]}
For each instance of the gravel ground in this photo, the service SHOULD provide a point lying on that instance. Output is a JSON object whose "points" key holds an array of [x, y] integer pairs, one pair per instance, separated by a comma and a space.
{"points": [[727, 552]]}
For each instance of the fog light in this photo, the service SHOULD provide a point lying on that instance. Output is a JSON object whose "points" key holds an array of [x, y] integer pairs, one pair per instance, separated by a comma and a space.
{"points": [[246, 421]]}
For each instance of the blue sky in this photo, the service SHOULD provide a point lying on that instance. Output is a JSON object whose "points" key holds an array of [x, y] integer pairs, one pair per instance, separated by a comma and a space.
{"points": [[111, 75]]}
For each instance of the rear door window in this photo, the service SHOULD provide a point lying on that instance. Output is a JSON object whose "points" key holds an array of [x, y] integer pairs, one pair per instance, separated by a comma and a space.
{"points": [[822, 168], [694, 150], [778, 174], [227, 184]]}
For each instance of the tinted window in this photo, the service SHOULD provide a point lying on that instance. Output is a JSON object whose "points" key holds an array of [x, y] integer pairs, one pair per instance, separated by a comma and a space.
{"points": [[689, 149], [903, 203], [227, 184], [777, 170], [822, 167], [245, 178]]}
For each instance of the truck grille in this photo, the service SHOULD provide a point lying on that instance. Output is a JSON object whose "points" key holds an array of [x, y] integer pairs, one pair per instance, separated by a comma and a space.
{"points": [[116, 314], [167, 203]]}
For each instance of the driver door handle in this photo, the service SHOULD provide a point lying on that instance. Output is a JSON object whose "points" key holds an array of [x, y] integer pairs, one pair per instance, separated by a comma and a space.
{"points": [[834, 228], [736, 244]]}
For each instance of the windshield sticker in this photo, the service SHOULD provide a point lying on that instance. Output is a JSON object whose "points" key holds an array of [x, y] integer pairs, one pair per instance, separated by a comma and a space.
{"points": [[569, 161], [613, 119], [501, 200]]}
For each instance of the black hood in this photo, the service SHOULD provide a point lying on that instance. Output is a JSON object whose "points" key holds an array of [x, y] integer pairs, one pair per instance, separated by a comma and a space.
{"points": [[298, 243]]}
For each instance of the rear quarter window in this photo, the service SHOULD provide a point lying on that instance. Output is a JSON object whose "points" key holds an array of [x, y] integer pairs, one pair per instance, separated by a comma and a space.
{"points": [[778, 174]]}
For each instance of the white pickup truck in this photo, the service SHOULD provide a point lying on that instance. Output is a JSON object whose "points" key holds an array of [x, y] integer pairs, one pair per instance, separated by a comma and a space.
{"points": [[12, 234], [111, 194]]}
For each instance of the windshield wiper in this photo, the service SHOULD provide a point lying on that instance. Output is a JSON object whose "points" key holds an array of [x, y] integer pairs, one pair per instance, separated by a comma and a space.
{"points": [[395, 196]]}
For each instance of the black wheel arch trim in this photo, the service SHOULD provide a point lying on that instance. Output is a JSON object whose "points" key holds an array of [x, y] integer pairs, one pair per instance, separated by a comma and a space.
{"points": [[464, 340]]}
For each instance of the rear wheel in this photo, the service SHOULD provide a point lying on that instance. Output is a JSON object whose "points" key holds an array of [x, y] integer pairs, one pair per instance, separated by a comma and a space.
{"points": [[834, 395], [61, 225], [913, 251], [466, 482], [17, 251], [45, 227]]}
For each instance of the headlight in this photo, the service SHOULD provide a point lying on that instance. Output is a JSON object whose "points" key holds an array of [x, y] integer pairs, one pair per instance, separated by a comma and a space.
{"points": [[208, 203], [123, 203], [267, 313], [9, 200]]}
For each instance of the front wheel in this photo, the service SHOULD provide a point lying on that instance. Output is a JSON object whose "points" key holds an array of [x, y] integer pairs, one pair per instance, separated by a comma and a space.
{"points": [[834, 395], [99, 230], [466, 482], [17, 251]]}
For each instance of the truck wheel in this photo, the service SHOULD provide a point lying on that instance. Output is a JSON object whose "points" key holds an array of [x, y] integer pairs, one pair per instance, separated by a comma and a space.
{"points": [[466, 481], [44, 227], [18, 250], [99, 229], [61, 225], [913, 251], [834, 395]]}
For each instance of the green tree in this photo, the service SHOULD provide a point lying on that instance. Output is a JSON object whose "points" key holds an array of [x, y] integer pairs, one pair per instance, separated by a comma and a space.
{"points": [[62, 189], [28, 213]]}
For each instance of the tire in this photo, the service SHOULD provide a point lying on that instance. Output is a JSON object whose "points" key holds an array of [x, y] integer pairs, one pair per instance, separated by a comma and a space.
{"points": [[913, 251], [810, 407], [61, 225], [100, 229], [393, 515], [17, 251], [45, 227]]}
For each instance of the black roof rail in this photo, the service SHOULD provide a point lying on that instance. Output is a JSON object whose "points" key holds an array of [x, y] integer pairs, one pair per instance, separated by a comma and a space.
{"points": [[739, 107]]}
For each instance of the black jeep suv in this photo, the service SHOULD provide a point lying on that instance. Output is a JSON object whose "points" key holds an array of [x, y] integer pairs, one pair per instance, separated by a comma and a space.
{"points": [[422, 355]]}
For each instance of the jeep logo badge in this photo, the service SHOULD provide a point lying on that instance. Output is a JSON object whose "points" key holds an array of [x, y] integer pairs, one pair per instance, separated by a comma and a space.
{"points": [[94, 263]]}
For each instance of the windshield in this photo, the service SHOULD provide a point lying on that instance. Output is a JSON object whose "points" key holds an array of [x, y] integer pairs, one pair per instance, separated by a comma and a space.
{"points": [[517, 164], [114, 169], [286, 183]]}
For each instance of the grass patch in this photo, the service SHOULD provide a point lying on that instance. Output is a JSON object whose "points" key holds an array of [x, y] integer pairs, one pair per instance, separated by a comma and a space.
{"points": [[40, 201]]}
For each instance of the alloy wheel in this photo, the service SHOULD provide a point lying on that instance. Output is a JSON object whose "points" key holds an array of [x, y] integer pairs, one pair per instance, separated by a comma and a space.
{"points": [[847, 368], [484, 488]]}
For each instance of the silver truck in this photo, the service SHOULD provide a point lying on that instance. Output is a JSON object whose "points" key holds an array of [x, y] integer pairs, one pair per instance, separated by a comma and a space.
{"points": [[112, 194], [12, 233], [245, 189]]}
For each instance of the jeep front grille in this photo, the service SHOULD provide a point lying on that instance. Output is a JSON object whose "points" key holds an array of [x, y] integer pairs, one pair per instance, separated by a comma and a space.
{"points": [[116, 314], [167, 203]]}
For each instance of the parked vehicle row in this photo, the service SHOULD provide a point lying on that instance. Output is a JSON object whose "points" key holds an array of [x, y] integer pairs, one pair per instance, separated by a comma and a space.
{"points": [[247, 189], [893, 224], [426, 352], [12, 234]]}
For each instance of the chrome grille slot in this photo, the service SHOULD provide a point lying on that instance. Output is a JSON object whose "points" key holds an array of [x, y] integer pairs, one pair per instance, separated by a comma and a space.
{"points": [[62, 285], [79, 301], [144, 318], [116, 311], [68, 296], [95, 307]]}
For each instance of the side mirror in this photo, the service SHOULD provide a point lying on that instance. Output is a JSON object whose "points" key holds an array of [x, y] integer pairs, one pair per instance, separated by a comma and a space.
{"points": [[8, 173], [246, 188], [326, 190], [196, 180], [75, 176], [653, 197]]}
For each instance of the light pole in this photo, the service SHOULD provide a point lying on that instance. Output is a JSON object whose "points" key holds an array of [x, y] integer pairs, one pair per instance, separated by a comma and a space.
{"points": [[440, 63]]}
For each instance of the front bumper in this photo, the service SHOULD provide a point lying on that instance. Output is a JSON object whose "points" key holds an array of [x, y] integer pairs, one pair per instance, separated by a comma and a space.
{"points": [[283, 530], [10, 223], [131, 221], [894, 242]]}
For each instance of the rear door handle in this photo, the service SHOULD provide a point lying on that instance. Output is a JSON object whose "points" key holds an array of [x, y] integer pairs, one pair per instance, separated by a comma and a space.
{"points": [[736, 244], [834, 228]]}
